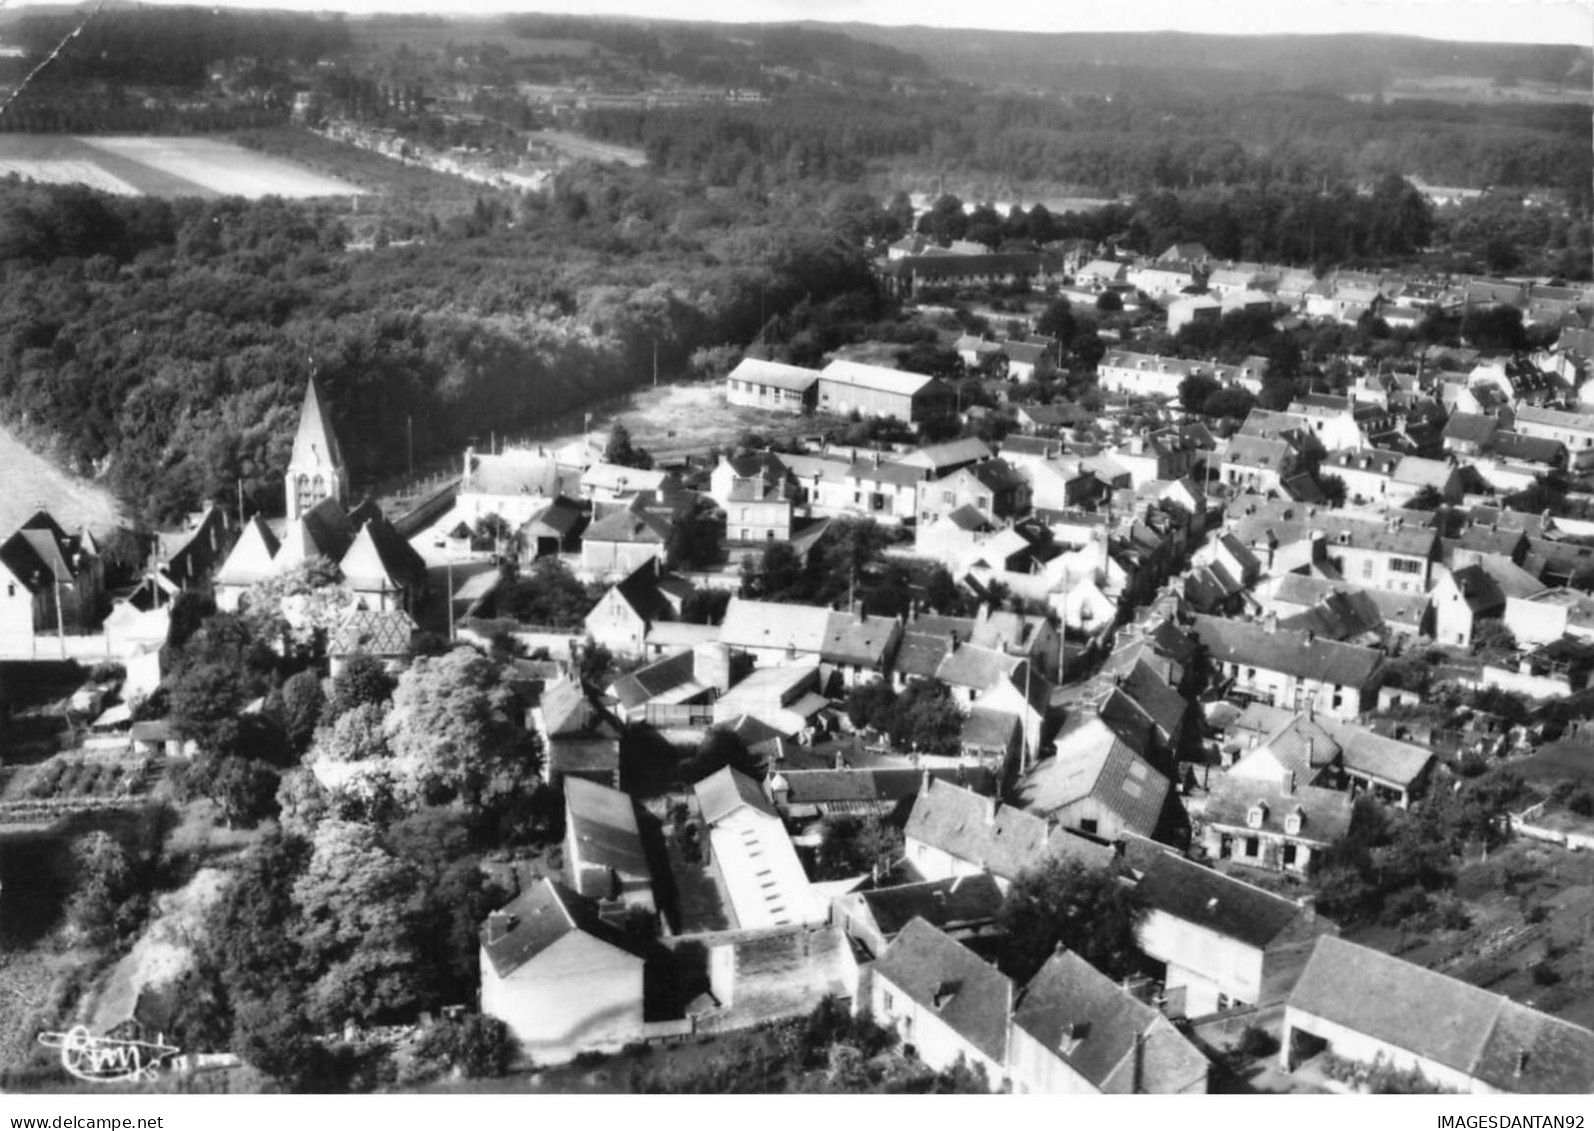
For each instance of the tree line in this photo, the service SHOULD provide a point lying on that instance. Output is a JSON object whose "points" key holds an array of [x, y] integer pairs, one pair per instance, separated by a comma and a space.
{"points": [[170, 341]]}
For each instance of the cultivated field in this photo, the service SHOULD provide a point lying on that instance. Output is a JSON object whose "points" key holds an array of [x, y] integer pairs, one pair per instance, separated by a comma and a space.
{"points": [[33, 483], [162, 166]]}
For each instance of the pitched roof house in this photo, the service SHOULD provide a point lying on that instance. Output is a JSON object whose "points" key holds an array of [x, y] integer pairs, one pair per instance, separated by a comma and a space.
{"points": [[944, 1000], [1225, 942], [1363, 1005], [964, 907], [1076, 1031], [1283, 667], [953, 831], [1098, 784], [562, 979], [1279, 826]]}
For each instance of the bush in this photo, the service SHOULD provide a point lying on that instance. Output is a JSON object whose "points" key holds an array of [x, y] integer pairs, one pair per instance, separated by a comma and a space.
{"points": [[1256, 1042], [1545, 974], [477, 1046]]}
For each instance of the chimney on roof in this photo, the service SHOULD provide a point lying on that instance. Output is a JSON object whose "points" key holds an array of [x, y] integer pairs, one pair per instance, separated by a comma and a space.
{"points": [[1288, 782], [1522, 1062]]}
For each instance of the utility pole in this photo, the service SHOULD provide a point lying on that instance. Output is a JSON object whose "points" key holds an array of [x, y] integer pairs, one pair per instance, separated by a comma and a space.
{"points": [[451, 599], [60, 617], [409, 431]]}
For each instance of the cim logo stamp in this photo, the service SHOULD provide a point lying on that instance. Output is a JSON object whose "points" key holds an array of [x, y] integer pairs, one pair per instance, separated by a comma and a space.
{"points": [[107, 1060]]}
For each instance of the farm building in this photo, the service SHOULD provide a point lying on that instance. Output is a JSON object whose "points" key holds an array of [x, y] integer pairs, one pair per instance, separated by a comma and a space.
{"points": [[873, 390], [756, 383]]}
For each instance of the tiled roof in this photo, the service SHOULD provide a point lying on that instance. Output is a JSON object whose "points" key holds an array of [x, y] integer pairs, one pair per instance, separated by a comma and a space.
{"points": [[1097, 1028], [920, 654], [1526, 449], [876, 377], [1093, 761], [953, 453], [1342, 615], [774, 374], [987, 729], [648, 682], [1465, 1028], [725, 791], [1227, 906], [1252, 451], [1292, 653], [539, 917], [1325, 812], [980, 830], [1375, 534], [969, 665], [1146, 685], [858, 639], [560, 518], [604, 824], [967, 518], [1555, 418], [373, 632], [821, 787], [769, 624], [940, 974], [1471, 427], [630, 525], [997, 475], [951, 904]]}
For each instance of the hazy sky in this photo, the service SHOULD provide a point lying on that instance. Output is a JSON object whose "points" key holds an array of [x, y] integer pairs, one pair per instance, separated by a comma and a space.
{"points": [[1523, 21]]}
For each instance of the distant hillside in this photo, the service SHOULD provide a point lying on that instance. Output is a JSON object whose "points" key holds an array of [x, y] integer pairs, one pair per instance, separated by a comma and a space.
{"points": [[734, 54], [1107, 62]]}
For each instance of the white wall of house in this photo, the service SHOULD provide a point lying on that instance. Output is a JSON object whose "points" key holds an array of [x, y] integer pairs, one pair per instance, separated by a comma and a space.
{"points": [[936, 1042], [1452, 615], [1296, 693], [615, 625], [1349, 1043], [579, 994], [1037, 1070], [1208, 965]]}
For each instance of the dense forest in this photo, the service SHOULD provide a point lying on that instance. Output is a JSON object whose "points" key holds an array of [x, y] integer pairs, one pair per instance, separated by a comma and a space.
{"points": [[175, 46], [1115, 146], [170, 342]]}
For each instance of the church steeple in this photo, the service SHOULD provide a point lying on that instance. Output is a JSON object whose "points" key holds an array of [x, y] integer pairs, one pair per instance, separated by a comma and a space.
{"points": [[315, 470]]}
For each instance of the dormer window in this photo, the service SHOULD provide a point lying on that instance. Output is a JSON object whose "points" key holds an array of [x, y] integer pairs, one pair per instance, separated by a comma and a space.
{"points": [[1295, 821], [1257, 815], [1073, 1036]]}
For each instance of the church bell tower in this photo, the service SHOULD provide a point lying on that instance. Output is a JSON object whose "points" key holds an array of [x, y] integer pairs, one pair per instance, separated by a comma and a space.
{"points": [[316, 470]]}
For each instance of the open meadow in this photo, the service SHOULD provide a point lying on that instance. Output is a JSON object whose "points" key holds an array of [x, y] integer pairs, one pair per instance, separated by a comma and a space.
{"points": [[163, 166]]}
